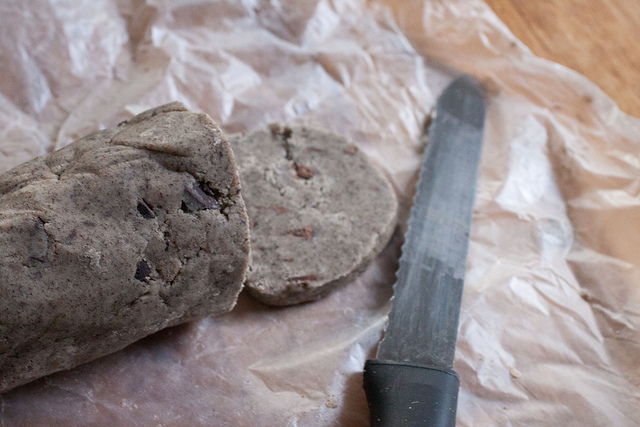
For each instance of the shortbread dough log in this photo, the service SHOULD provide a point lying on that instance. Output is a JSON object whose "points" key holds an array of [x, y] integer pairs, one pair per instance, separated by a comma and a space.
{"points": [[122, 233], [320, 212]]}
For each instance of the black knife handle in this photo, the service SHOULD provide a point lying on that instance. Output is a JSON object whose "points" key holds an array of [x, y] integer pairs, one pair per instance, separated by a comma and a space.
{"points": [[409, 395]]}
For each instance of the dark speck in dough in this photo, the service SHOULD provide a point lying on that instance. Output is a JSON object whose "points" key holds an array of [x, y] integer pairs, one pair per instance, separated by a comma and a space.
{"points": [[145, 210], [196, 199], [143, 271]]}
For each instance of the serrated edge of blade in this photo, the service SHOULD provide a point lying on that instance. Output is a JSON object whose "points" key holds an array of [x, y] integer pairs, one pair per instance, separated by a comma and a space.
{"points": [[412, 218]]}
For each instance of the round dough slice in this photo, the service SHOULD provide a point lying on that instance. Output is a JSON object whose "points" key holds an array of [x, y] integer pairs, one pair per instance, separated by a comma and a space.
{"points": [[319, 212]]}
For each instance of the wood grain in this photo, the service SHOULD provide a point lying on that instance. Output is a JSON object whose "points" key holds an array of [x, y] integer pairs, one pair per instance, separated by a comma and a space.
{"points": [[598, 38]]}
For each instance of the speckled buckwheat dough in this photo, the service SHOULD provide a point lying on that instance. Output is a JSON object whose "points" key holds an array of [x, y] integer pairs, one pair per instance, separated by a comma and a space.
{"points": [[320, 212], [122, 233]]}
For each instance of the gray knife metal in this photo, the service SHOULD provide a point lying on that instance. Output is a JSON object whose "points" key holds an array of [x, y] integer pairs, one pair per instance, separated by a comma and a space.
{"points": [[411, 381]]}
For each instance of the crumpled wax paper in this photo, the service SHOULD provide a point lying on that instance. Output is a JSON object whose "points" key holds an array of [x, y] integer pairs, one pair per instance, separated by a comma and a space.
{"points": [[549, 328]]}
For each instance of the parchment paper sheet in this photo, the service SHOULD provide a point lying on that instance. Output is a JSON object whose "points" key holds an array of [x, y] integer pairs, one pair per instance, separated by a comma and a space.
{"points": [[550, 324]]}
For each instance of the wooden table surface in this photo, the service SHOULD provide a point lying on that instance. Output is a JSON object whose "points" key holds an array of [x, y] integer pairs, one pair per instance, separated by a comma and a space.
{"points": [[598, 38]]}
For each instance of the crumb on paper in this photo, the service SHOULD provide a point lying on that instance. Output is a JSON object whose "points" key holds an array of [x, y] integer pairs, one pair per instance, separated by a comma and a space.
{"points": [[514, 372], [129, 405], [331, 402]]}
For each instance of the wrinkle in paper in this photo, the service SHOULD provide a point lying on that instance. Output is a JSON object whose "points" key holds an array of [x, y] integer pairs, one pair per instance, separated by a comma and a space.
{"points": [[550, 323]]}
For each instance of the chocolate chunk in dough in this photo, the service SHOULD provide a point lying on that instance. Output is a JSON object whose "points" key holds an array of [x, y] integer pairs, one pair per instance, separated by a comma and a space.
{"points": [[96, 250], [320, 212]]}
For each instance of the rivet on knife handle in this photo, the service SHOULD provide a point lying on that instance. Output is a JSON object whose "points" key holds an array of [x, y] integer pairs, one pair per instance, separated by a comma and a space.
{"points": [[411, 382]]}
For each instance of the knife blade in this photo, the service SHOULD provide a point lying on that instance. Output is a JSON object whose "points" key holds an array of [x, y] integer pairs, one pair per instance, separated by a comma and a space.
{"points": [[411, 381]]}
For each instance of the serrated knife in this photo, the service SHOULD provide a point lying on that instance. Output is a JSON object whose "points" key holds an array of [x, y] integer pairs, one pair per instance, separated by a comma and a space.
{"points": [[411, 382]]}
